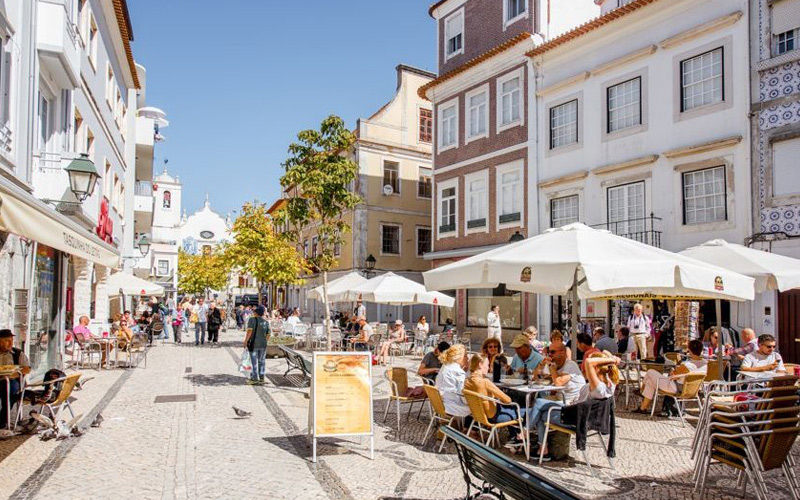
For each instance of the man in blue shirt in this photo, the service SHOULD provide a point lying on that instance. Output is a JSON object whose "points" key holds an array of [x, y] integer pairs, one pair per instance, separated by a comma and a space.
{"points": [[525, 359]]}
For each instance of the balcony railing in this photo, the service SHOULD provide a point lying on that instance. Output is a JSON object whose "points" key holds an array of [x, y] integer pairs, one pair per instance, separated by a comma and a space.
{"points": [[641, 229], [47, 162], [143, 188]]}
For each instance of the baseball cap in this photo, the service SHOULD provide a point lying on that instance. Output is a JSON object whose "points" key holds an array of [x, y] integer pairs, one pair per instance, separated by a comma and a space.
{"points": [[398, 322], [520, 340]]}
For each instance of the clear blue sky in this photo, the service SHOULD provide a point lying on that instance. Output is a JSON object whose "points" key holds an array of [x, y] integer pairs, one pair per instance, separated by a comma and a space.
{"points": [[238, 79]]}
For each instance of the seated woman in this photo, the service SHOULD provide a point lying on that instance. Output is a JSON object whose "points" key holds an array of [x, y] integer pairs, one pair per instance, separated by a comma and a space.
{"points": [[450, 381], [120, 328], [480, 383], [360, 340], [711, 342], [672, 383], [396, 336], [602, 376], [493, 350]]}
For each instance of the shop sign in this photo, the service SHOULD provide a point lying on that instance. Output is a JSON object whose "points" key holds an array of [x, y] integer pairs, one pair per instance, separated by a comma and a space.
{"points": [[105, 226], [525, 275]]}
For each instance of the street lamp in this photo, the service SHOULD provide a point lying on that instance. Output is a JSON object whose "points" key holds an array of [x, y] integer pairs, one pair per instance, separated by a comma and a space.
{"points": [[82, 177], [143, 245], [370, 265], [517, 236]]}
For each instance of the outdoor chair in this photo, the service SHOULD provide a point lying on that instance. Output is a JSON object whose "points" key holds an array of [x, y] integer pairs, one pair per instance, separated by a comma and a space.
{"points": [[753, 437], [85, 348], [479, 418], [675, 357], [439, 415], [276, 327], [398, 381], [373, 343], [61, 401], [136, 350], [692, 383]]}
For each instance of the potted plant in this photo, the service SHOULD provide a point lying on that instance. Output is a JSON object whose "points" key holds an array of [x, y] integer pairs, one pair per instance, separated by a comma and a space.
{"points": [[273, 351]]}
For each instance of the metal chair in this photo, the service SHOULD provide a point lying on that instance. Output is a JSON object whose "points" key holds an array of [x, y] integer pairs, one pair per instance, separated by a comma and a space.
{"points": [[692, 383], [477, 409], [398, 381], [62, 401], [438, 414]]}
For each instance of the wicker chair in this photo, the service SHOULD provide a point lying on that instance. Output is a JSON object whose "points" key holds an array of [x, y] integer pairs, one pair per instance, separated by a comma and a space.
{"points": [[398, 381], [438, 414], [692, 383], [675, 357], [478, 411]]}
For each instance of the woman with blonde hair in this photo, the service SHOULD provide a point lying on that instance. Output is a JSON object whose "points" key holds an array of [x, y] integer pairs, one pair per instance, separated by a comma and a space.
{"points": [[450, 381]]}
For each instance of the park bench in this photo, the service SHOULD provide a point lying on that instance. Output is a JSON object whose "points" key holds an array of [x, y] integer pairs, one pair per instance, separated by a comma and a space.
{"points": [[295, 361], [496, 475]]}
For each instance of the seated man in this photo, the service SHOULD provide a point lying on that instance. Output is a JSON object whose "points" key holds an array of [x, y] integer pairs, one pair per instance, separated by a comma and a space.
{"points": [[603, 342], [525, 360], [82, 333], [586, 346], [672, 383], [10, 355], [364, 332], [765, 359], [430, 365]]}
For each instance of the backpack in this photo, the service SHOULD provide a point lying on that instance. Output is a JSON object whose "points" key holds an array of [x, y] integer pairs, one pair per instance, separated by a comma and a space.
{"points": [[15, 355]]}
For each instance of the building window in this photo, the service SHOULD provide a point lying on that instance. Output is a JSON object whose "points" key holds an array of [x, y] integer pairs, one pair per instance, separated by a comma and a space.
{"points": [[564, 211], [93, 34], [446, 313], [163, 267], [624, 105], [509, 199], [167, 203], [314, 245], [786, 41], [390, 239], [447, 214], [626, 208], [454, 34], [702, 80], [477, 201], [337, 249], [515, 9], [305, 249], [391, 176], [477, 104], [114, 192], [448, 120], [564, 124], [83, 20], [6, 90], [785, 181], [425, 125], [45, 123], [509, 96], [110, 86], [90, 144], [704, 196], [108, 184], [424, 183], [481, 300], [423, 240]]}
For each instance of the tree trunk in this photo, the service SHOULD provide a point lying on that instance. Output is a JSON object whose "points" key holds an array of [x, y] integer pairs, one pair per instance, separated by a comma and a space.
{"points": [[258, 287], [326, 319]]}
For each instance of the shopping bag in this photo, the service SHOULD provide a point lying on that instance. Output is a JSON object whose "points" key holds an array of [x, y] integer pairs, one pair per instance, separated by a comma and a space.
{"points": [[245, 365]]}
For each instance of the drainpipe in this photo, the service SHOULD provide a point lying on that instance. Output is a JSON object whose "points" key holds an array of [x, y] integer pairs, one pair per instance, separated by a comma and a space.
{"points": [[33, 74], [534, 83]]}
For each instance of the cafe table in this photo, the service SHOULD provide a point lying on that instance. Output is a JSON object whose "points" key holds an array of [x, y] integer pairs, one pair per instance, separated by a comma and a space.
{"points": [[639, 365], [107, 344], [8, 372], [531, 391]]}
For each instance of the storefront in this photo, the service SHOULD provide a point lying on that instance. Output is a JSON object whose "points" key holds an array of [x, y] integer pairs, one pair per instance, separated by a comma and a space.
{"points": [[46, 312]]}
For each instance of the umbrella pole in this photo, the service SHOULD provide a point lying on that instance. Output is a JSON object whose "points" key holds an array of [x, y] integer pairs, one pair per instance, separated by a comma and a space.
{"points": [[573, 292], [720, 352]]}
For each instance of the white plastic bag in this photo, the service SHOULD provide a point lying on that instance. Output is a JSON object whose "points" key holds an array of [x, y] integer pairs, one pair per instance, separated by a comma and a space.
{"points": [[245, 366]]}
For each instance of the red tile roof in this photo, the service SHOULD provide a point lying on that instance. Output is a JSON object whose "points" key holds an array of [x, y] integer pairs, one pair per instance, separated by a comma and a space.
{"points": [[124, 22]]}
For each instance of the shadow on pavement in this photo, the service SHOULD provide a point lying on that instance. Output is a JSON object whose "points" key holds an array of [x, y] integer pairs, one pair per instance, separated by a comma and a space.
{"points": [[8, 446], [216, 379]]}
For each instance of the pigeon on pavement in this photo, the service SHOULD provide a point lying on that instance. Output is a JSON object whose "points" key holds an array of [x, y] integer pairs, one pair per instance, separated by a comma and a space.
{"points": [[97, 420], [241, 413]]}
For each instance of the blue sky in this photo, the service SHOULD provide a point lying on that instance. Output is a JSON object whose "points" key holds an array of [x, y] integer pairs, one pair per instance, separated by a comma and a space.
{"points": [[238, 80]]}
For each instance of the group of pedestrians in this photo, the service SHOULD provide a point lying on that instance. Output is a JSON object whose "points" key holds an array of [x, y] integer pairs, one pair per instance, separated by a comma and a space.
{"points": [[204, 317]]}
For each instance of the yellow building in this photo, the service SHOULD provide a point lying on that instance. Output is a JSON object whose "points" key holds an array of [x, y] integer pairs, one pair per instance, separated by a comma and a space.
{"points": [[393, 224]]}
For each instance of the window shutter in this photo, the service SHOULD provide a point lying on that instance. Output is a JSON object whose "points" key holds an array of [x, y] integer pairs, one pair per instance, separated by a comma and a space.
{"points": [[785, 16], [7, 56], [784, 167]]}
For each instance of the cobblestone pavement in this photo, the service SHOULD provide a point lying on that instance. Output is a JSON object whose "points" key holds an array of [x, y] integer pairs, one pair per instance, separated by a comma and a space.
{"points": [[199, 450]]}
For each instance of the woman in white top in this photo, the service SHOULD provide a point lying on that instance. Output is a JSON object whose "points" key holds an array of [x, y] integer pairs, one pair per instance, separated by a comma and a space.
{"points": [[450, 381], [493, 327], [423, 328], [672, 383]]}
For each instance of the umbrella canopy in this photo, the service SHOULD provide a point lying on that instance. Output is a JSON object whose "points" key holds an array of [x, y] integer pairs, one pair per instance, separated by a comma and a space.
{"points": [[771, 271], [128, 284], [601, 264], [389, 288], [338, 288]]}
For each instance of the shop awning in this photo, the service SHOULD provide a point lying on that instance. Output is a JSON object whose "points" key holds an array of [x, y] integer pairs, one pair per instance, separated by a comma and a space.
{"points": [[26, 216], [127, 284]]}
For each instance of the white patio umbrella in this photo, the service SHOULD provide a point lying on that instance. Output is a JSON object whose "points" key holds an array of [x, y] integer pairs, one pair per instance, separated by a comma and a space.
{"points": [[391, 289], [338, 288], [591, 263], [128, 284], [771, 271]]}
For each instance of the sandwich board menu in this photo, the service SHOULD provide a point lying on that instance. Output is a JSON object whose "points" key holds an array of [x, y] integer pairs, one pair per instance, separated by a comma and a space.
{"points": [[341, 397]]}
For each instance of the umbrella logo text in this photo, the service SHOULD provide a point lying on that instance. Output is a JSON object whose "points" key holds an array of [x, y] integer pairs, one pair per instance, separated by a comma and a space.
{"points": [[525, 275]]}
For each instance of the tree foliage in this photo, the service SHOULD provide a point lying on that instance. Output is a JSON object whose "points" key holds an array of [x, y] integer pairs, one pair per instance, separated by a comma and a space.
{"points": [[257, 250], [197, 274]]}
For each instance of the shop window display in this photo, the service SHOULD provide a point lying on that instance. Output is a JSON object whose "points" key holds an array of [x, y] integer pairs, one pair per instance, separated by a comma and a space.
{"points": [[480, 301]]}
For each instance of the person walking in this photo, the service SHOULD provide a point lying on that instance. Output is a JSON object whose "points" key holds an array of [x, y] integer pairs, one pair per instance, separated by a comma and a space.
{"points": [[214, 323], [255, 341], [201, 314], [639, 327], [494, 329]]}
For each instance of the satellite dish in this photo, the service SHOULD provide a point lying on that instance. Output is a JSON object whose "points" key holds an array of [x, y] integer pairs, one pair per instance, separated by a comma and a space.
{"points": [[388, 190]]}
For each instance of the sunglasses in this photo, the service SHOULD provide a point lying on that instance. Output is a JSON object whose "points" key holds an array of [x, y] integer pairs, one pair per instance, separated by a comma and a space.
{"points": [[768, 346], [551, 351], [491, 347]]}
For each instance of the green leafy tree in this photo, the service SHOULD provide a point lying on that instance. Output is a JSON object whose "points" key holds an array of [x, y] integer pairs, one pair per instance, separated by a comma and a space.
{"points": [[318, 177], [197, 274], [260, 252]]}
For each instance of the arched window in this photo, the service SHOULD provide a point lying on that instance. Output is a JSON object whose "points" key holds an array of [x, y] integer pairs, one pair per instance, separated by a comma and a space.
{"points": [[167, 199]]}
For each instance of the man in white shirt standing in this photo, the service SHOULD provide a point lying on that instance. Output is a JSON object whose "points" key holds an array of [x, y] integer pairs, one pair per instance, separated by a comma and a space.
{"points": [[361, 310], [639, 326], [493, 327], [201, 310], [765, 359]]}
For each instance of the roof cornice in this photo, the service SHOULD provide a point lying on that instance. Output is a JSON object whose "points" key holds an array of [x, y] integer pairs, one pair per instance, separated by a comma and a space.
{"points": [[126, 32]]}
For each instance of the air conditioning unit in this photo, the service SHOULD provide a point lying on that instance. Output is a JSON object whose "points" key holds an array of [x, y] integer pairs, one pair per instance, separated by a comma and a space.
{"points": [[388, 190]]}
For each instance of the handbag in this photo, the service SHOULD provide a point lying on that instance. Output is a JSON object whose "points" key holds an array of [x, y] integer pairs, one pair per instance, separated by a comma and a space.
{"points": [[193, 318]]}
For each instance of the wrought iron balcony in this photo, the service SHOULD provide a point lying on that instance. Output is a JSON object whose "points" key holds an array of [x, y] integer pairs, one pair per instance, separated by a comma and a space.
{"points": [[641, 229]]}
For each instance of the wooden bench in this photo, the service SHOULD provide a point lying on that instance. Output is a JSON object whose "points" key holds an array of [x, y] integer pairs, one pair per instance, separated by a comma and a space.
{"points": [[496, 475], [295, 361]]}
